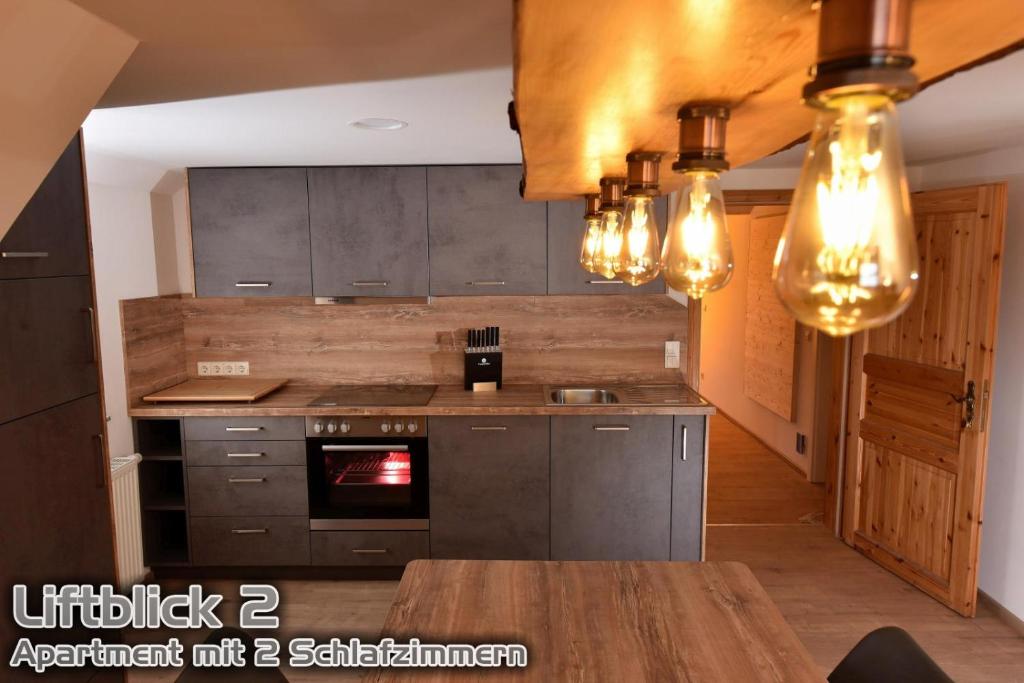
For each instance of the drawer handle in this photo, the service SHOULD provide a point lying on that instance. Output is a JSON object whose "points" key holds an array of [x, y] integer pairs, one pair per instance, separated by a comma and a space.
{"points": [[365, 449], [611, 428], [486, 283], [370, 551], [241, 532], [24, 254], [606, 282], [243, 429], [496, 428], [252, 284], [371, 283], [246, 455], [246, 480]]}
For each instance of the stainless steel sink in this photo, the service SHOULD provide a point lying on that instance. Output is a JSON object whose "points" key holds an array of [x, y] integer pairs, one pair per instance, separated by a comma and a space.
{"points": [[583, 396]]}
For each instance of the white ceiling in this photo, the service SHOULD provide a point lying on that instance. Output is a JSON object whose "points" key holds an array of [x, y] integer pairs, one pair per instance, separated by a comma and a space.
{"points": [[971, 112]]}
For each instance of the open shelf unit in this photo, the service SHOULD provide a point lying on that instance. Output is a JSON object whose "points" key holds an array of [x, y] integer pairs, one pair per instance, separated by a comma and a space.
{"points": [[163, 495]]}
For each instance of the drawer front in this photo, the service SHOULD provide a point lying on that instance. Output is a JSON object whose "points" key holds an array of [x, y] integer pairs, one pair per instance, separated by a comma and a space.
{"points": [[233, 491], [366, 548], [245, 428], [245, 453], [250, 541]]}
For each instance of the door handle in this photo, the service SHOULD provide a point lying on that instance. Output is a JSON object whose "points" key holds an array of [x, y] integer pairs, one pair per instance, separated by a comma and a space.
{"points": [[24, 254], [93, 337], [605, 282], [611, 428], [364, 449], [101, 461], [371, 283], [969, 401], [683, 437], [486, 283], [243, 429], [252, 284]]}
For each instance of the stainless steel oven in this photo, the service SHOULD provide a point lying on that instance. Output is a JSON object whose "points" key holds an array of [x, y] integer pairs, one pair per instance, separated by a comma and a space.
{"points": [[367, 473]]}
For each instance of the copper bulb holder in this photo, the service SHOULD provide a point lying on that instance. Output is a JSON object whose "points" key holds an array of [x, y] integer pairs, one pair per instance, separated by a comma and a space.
{"points": [[612, 193], [701, 138], [863, 46], [642, 174]]}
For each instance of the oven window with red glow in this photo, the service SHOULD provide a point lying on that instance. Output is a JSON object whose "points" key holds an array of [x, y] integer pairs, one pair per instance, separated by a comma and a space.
{"points": [[383, 468]]}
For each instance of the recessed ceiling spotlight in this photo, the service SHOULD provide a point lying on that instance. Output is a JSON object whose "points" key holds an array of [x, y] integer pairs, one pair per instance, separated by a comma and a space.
{"points": [[378, 124]]}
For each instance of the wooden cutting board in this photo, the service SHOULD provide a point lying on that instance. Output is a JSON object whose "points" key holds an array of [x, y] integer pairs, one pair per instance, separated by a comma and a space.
{"points": [[218, 389]]}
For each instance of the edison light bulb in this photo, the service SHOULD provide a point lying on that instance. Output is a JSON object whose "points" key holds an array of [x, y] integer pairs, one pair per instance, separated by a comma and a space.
{"points": [[640, 247], [606, 259], [591, 240], [847, 260], [697, 257]]}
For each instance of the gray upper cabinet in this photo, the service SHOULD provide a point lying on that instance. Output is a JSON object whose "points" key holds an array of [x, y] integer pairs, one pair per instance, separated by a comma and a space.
{"points": [[250, 231], [489, 488], [688, 487], [368, 227], [49, 237], [484, 238], [565, 236], [611, 487]]}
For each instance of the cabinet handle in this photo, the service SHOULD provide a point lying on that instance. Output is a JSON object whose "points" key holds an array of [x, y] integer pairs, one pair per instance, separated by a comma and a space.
{"points": [[246, 480], [24, 254], [241, 532], [365, 449], [91, 312], [101, 461], [371, 283], [485, 428], [486, 283], [611, 428], [683, 437], [246, 455], [369, 551], [252, 284], [606, 282], [243, 429]]}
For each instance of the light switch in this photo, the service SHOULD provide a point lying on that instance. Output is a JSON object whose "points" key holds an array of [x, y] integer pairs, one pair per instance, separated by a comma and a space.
{"points": [[671, 354]]}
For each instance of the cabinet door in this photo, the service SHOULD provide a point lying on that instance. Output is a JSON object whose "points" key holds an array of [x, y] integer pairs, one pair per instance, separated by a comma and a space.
{"points": [[368, 228], [49, 236], [611, 487], [688, 487], [484, 238], [250, 231], [47, 349], [565, 236], [489, 488]]}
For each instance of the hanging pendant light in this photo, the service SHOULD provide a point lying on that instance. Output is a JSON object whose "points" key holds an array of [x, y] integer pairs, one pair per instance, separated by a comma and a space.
{"points": [[591, 231], [606, 259], [847, 260], [697, 256], [640, 250]]}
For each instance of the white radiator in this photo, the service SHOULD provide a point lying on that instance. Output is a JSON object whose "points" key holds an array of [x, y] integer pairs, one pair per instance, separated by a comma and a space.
{"points": [[124, 475]]}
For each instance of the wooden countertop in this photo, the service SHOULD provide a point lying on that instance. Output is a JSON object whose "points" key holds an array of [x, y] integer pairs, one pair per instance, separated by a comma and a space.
{"points": [[615, 621], [514, 399]]}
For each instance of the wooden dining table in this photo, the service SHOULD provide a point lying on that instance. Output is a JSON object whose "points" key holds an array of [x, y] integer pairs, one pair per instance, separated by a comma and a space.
{"points": [[599, 621]]}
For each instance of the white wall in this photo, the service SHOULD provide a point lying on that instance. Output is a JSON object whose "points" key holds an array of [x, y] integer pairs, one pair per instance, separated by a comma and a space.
{"points": [[1002, 542], [131, 224]]}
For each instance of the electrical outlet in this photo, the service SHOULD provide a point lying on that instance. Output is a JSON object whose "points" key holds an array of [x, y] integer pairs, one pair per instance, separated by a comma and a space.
{"points": [[671, 354], [235, 368]]}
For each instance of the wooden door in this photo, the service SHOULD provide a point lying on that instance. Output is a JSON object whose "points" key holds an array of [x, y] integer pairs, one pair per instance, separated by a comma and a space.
{"points": [[917, 446], [368, 230]]}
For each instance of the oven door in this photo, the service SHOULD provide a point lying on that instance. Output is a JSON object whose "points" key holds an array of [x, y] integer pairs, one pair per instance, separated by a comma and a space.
{"points": [[378, 479]]}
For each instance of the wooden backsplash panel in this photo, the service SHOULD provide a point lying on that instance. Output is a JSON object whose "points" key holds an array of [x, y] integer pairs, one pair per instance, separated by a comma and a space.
{"points": [[546, 338], [153, 332]]}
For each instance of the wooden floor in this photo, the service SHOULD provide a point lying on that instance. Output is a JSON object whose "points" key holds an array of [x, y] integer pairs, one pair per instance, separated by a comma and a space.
{"points": [[828, 593], [748, 484]]}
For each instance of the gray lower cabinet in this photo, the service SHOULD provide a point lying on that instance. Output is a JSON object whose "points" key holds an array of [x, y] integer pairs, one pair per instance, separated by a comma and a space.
{"points": [[250, 541], [484, 238], [688, 487], [611, 487], [245, 453], [368, 548], [245, 428], [565, 236], [250, 231], [227, 491], [368, 229], [48, 353], [489, 488]]}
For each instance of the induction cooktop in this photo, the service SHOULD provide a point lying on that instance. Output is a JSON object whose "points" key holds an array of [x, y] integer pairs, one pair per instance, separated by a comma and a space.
{"points": [[361, 395]]}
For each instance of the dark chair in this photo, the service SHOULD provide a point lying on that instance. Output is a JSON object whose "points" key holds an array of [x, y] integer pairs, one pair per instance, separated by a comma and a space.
{"points": [[888, 655], [248, 674]]}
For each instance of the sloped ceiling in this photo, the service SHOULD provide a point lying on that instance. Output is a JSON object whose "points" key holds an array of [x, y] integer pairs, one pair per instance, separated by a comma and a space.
{"points": [[193, 49]]}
